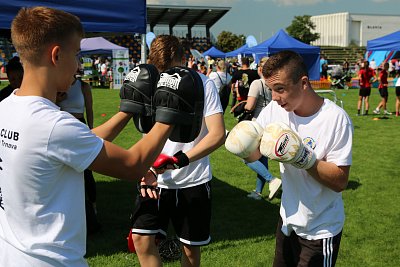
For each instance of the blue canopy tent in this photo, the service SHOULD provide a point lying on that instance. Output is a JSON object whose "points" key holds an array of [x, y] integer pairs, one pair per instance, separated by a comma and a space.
{"points": [[97, 16], [214, 52], [98, 45], [238, 51], [383, 48], [128, 16], [390, 42], [282, 41]]}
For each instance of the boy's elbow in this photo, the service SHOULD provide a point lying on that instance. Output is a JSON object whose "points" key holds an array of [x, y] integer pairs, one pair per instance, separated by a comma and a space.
{"points": [[222, 139], [341, 187]]}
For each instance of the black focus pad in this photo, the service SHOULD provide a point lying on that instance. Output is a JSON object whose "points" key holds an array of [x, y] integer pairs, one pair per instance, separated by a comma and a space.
{"points": [[138, 89], [143, 123], [179, 100]]}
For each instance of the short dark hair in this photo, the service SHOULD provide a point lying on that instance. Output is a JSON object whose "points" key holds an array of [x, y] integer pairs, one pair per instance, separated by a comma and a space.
{"points": [[14, 64], [289, 60], [246, 61]]}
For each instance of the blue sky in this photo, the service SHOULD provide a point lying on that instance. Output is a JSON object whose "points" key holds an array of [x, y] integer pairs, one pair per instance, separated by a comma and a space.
{"points": [[263, 18]]}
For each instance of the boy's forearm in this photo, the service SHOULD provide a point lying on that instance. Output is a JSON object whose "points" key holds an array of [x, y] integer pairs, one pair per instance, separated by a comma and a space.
{"points": [[111, 128]]}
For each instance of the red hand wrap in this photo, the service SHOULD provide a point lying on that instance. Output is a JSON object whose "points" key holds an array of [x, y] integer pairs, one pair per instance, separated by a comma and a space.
{"points": [[162, 161], [179, 160]]}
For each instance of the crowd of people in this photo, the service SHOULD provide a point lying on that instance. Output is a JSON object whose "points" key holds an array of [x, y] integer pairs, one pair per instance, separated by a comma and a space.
{"points": [[50, 147], [367, 73]]}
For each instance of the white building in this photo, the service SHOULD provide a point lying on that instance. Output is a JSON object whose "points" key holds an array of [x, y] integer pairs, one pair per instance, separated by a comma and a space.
{"points": [[343, 29]]}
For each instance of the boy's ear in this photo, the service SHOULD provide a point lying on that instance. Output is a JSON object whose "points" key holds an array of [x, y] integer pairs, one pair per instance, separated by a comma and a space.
{"points": [[55, 51]]}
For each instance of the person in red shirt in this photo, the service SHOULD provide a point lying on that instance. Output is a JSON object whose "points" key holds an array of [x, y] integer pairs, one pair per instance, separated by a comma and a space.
{"points": [[366, 76], [383, 90]]}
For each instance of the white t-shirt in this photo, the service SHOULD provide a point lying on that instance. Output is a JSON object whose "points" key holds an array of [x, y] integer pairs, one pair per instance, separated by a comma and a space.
{"points": [[44, 152], [261, 92], [103, 69], [197, 172], [225, 77], [309, 208], [397, 82], [75, 101]]}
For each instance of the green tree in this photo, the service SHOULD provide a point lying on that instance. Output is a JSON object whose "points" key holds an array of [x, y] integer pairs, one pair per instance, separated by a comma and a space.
{"points": [[301, 29], [227, 41]]}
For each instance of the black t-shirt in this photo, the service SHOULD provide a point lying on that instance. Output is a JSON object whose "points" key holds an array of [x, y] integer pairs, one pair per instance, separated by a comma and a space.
{"points": [[245, 78], [5, 92]]}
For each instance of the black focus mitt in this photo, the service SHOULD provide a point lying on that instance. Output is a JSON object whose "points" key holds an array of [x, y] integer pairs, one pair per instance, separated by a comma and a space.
{"points": [[179, 100]]}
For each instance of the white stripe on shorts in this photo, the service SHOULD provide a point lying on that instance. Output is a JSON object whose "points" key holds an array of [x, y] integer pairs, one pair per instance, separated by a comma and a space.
{"points": [[148, 232], [195, 243], [327, 248]]}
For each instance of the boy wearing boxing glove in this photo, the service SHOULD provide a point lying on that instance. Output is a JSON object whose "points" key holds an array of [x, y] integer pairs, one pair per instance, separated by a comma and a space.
{"points": [[311, 137]]}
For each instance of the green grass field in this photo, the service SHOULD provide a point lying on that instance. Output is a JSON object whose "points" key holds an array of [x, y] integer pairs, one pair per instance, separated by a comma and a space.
{"points": [[243, 229]]}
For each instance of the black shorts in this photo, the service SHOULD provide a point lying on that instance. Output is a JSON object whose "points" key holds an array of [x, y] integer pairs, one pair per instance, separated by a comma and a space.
{"points": [[397, 90], [295, 251], [365, 91], [383, 92], [189, 210]]}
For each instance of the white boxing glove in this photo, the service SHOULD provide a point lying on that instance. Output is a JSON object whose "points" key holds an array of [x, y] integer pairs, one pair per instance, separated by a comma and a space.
{"points": [[279, 142], [244, 138]]}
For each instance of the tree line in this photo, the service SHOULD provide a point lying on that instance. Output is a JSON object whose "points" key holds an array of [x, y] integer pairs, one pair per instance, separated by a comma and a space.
{"points": [[301, 29]]}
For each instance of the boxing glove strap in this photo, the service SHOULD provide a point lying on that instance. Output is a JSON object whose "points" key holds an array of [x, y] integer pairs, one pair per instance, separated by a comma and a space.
{"points": [[182, 159]]}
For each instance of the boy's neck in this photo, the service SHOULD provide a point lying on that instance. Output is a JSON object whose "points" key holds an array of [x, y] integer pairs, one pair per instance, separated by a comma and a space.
{"points": [[39, 81]]}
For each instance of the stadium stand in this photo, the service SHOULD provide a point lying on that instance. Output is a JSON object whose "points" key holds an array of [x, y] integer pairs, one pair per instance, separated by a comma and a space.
{"points": [[134, 42], [337, 55]]}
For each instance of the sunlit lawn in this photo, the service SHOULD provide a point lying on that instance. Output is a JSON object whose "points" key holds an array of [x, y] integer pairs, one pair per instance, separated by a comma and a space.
{"points": [[243, 229]]}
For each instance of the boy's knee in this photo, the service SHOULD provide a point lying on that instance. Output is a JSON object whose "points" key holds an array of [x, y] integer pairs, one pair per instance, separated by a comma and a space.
{"points": [[191, 251], [143, 242]]}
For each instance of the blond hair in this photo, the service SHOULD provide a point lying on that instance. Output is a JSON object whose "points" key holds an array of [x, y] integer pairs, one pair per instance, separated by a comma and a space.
{"points": [[35, 28], [221, 65], [262, 61]]}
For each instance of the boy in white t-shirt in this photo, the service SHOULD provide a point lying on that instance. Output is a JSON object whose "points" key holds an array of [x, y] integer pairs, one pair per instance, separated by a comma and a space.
{"points": [[312, 138], [184, 191], [44, 151]]}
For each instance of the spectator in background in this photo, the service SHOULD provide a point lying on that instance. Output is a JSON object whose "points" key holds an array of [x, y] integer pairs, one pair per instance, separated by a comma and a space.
{"points": [[346, 66], [391, 70], [211, 62], [234, 66], [245, 76], [323, 68], [366, 77], [396, 66], [103, 72], [221, 79], [194, 67], [133, 63], [383, 90], [397, 93], [356, 67], [190, 62], [15, 73], [220, 76], [203, 69], [372, 65]]}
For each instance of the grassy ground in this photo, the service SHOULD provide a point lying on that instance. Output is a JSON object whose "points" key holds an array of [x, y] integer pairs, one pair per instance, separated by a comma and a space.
{"points": [[243, 229]]}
